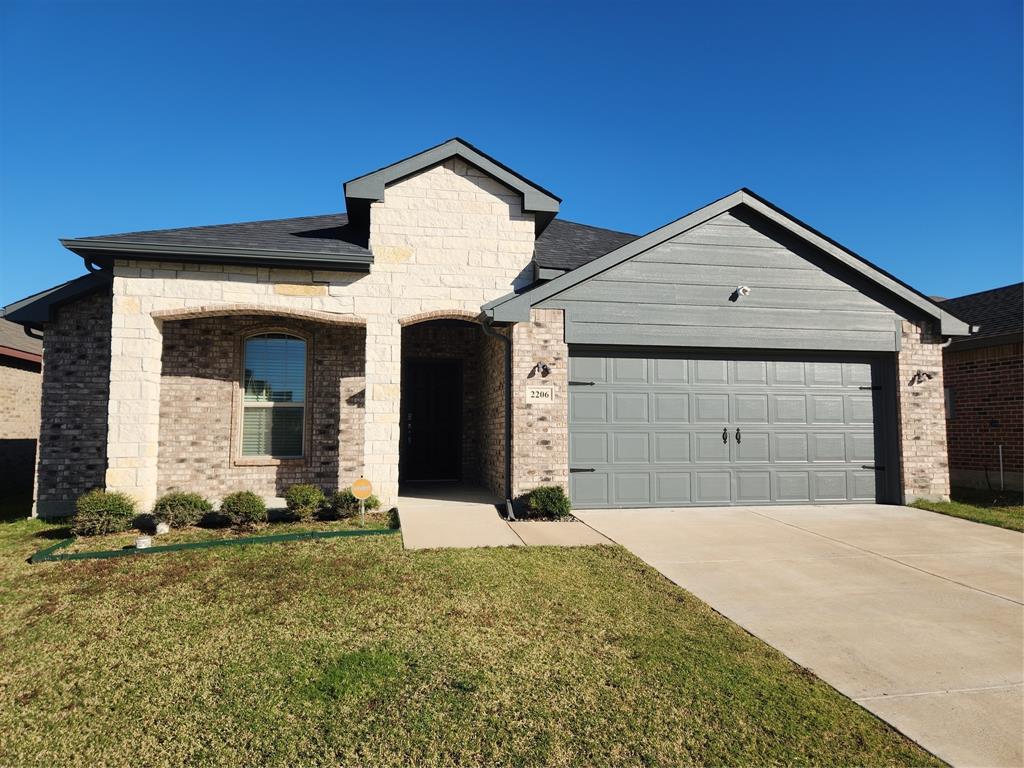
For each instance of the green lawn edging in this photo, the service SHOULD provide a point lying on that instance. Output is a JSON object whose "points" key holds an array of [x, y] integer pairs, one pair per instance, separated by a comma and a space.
{"points": [[47, 554]]}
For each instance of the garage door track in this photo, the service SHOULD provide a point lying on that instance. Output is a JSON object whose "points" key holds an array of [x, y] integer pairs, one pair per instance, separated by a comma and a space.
{"points": [[916, 616]]}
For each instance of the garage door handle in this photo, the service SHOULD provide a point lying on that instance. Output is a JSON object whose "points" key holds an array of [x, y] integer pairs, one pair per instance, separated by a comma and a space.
{"points": [[582, 469], [872, 466], [725, 435], [582, 383], [738, 435]]}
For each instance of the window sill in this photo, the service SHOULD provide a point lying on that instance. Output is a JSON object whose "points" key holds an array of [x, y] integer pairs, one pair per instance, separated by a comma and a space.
{"points": [[268, 461]]}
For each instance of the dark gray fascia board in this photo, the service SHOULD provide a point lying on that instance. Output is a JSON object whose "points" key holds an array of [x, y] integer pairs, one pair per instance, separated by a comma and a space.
{"points": [[516, 307], [104, 252], [370, 187], [36, 310]]}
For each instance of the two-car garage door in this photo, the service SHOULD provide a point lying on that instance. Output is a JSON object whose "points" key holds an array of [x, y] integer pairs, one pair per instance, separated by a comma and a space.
{"points": [[665, 430]]}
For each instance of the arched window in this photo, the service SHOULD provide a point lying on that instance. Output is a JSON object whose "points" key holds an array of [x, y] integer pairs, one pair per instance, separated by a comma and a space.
{"points": [[274, 396]]}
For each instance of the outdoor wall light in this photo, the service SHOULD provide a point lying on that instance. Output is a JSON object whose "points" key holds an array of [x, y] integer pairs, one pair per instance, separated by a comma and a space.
{"points": [[741, 290], [542, 368], [921, 376]]}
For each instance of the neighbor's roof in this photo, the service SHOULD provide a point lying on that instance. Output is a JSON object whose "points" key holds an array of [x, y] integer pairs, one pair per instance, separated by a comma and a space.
{"points": [[13, 339], [563, 245], [998, 313]]}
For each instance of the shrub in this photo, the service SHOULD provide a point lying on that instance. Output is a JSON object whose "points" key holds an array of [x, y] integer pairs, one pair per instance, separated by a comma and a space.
{"points": [[304, 501], [243, 509], [345, 504], [98, 512], [179, 509], [548, 501], [393, 520]]}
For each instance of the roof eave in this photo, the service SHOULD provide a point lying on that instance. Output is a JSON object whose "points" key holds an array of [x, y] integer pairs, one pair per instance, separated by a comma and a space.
{"points": [[104, 252]]}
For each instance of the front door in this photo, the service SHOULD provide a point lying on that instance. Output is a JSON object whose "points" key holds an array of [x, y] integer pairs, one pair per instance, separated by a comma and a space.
{"points": [[431, 441]]}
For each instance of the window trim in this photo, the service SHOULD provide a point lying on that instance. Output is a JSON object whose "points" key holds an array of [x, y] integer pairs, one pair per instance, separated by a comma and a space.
{"points": [[239, 405]]}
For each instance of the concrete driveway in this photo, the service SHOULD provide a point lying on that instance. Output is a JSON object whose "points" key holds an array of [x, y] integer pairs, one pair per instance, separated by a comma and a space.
{"points": [[916, 616]]}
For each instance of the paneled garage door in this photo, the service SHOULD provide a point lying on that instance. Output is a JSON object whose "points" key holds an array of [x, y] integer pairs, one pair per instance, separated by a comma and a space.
{"points": [[669, 431]]}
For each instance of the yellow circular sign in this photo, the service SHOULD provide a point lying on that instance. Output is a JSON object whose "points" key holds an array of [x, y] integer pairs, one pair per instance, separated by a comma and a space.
{"points": [[362, 489]]}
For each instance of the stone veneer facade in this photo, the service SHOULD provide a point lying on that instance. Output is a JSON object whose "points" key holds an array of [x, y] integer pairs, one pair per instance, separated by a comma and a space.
{"points": [[922, 410], [445, 241]]}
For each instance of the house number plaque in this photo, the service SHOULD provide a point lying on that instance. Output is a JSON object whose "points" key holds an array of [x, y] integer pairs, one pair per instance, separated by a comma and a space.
{"points": [[540, 394]]}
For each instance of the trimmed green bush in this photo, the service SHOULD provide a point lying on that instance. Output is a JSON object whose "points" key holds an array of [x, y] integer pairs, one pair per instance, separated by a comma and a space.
{"points": [[98, 512], [549, 502], [393, 520], [180, 509], [345, 504], [304, 501], [243, 509]]}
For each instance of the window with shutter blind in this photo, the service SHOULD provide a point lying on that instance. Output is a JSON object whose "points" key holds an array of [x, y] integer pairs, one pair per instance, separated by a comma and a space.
{"points": [[274, 396]]}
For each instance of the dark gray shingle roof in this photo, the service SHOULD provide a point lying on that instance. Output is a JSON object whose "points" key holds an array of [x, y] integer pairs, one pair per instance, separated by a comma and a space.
{"points": [[13, 336], [563, 245], [327, 235], [998, 312]]}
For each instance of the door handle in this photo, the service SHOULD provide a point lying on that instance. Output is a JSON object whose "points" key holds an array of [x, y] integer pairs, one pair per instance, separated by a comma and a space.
{"points": [[582, 469], [738, 434], [725, 435]]}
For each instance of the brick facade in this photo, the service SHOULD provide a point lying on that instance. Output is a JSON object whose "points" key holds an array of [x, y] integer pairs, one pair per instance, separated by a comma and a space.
{"points": [[73, 431], [986, 387], [20, 399], [540, 430], [924, 463], [200, 406]]}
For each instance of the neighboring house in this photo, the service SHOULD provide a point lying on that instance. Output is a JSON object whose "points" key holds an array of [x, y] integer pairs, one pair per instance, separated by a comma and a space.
{"points": [[450, 328], [984, 378], [21, 359]]}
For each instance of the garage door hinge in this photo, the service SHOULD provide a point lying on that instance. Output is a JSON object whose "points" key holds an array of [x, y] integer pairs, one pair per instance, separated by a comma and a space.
{"points": [[873, 389]]}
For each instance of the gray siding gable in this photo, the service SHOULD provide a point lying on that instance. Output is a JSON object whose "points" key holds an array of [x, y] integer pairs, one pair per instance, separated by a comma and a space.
{"points": [[767, 219], [681, 293]]}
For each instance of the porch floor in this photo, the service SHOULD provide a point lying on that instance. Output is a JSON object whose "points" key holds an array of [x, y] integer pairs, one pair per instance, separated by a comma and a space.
{"points": [[455, 515]]}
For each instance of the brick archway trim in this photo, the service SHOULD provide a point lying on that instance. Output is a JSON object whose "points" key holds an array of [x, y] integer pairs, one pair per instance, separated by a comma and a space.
{"points": [[441, 314]]}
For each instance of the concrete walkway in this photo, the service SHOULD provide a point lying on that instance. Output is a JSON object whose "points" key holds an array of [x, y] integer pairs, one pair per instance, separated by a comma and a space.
{"points": [[916, 616], [464, 516]]}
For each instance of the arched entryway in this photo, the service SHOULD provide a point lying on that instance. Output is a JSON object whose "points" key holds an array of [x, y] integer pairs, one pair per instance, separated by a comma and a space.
{"points": [[452, 406]]}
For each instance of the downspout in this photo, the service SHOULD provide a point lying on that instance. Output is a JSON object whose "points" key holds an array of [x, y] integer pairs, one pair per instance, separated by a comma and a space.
{"points": [[488, 329]]}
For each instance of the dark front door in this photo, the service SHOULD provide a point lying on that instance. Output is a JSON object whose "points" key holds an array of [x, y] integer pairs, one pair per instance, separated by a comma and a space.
{"points": [[431, 421]]}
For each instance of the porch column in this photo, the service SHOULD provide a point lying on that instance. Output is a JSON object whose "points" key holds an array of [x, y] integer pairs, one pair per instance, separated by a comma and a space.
{"points": [[133, 415], [383, 402]]}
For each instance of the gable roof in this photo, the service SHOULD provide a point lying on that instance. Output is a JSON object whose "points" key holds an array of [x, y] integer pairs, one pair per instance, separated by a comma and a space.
{"points": [[516, 307], [998, 313], [14, 342], [369, 188]]}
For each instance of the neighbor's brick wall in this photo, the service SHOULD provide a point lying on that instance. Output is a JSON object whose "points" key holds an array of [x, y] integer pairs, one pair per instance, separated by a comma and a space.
{"points": [[200, 408], [20, 398], [987, 386], [540, 432], [924, 462], [73, 427], [446, 240]]}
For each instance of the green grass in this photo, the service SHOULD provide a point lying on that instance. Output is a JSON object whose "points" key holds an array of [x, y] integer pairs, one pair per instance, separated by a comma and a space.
{"points": [[1003, 509], [356, 652]]}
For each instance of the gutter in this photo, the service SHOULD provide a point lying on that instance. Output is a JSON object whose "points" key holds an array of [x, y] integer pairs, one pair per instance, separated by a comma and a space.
{"points": [[488, 329]]}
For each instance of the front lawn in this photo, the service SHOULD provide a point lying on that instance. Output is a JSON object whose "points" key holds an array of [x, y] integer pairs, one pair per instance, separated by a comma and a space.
{"points": [[1004, 509], [356, 652]]}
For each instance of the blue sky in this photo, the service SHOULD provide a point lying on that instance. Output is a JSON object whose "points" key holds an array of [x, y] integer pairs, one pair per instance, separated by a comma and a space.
{"points": [[893, 127]]}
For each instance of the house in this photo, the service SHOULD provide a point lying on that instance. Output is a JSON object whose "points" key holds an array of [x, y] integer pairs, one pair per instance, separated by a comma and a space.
{"points": [[449, 327], [20, 390], [984, 378]]}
